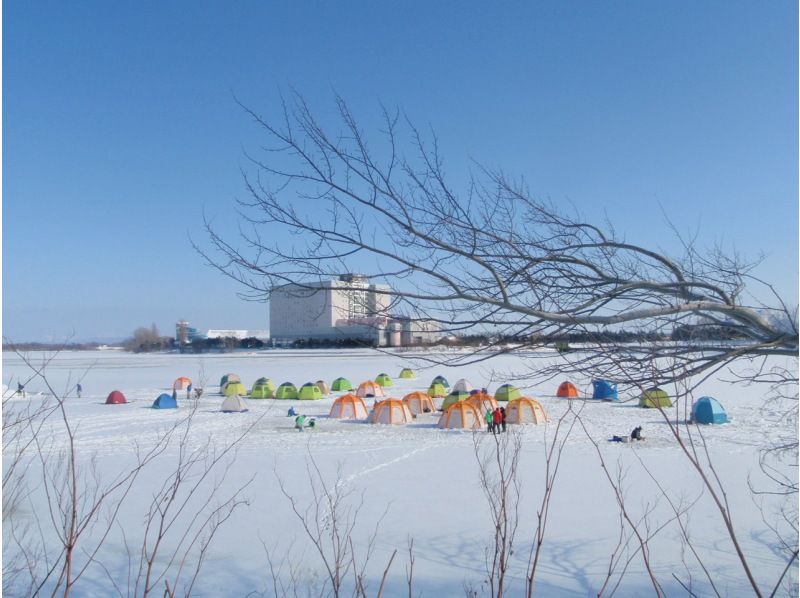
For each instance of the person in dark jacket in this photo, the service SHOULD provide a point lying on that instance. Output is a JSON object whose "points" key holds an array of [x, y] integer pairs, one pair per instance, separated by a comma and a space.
{"points": [[503, 413], [637, 433], [79, 389]]}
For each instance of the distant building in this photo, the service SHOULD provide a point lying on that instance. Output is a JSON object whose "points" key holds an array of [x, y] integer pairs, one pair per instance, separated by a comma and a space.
{"points": [[345, 308], [185, 334], [238, 334]]}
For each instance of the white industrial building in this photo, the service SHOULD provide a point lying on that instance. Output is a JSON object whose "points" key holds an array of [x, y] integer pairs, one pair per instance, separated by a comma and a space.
{"points": [[346, 308]]}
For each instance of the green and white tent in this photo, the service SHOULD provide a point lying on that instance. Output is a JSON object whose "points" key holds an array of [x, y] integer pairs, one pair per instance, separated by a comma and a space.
{"points": [[407, 373], [437, 390], [263, 389], [454, 397], [341, 385], [384, 380], [228, 378], [441, 380], [507, 392], [287, 390], [653, 398], [234, 388], [309, 392]]}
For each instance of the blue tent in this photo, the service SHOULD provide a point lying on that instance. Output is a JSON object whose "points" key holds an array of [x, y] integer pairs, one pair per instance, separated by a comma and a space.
{"points": [[604, 390], [707, 410], [165, 401]]}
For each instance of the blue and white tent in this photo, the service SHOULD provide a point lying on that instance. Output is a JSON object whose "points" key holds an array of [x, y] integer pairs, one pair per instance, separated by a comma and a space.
{"points": [[708, 410]]}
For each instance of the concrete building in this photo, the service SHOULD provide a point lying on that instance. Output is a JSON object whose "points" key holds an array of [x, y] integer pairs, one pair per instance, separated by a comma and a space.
{"points": [[345, 308]]}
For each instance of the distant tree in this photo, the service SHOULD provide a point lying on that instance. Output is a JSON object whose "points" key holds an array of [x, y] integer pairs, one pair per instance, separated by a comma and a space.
{"points": [[147, 339]]}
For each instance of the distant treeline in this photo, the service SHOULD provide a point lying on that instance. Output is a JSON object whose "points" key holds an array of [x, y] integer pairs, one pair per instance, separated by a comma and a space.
{"points": [[23, 347]]}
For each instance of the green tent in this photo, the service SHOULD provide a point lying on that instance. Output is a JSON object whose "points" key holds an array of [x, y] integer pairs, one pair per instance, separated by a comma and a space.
{"points": [[454, 397], [309, 392], [228, 378], [341, 385], [234, 388], [287, 390], [384, 380], [654, 398], [507, 392], [440, 380], [437, 390], [263, 389], [407, 373]]}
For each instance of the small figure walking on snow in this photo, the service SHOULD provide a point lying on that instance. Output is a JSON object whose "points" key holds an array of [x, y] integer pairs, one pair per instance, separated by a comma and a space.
{"points": [[189, 391], [79, 389], [503, 413], [20, 389]]}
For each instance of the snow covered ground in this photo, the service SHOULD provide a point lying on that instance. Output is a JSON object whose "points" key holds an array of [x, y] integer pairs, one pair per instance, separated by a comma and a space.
{"points": [[413, 481]]}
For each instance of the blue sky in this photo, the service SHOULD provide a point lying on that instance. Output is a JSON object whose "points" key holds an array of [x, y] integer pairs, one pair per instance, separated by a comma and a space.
{"points": [[120, 130]]}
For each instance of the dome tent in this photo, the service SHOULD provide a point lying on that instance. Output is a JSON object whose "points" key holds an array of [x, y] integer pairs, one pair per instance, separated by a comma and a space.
{"points": [[482, 402], [287, 390], [348, 406], [323, 387], [165, 401], [461, 415], [604, 390], [263, 389], [384, 380], [369, 388], [437, 390], [463, 385], [115, 397], [454, 397], [419, 402], [390, 411], [708, 410], [233, 404], [234, 388], [407, 373], [567, 390], [654, 398], [525, 410], [228, 378], [309, 392], [341, 385], [440, 380], [181, 383], [507, 392]]}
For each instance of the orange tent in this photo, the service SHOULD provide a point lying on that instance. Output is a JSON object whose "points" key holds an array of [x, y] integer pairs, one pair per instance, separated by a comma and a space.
{"points": [[181, 383], [348, 406], [525, 410], [419, 402], [390, 411], [461, 415], [567, 390], [482, 402], [368, 388]]}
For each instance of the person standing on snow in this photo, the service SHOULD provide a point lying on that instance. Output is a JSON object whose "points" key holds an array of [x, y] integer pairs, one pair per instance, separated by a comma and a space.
{"points": [[189, 391], [79, 389], [503, 414], [497, 419], [489, 420]]}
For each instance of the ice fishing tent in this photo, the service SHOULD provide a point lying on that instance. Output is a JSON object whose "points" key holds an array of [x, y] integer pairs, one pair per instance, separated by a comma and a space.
{"points": [[461, 415], [384, 380], [482, 402], [263, 389], [165, 401], [653, 398], [454, 397], [181, 383], [390, 411], [708, 410], [507, 392], [348, 406], [369, 389], [567, 390], [604, 390], [287, 390], [323, 387], [341, 385], [407, 373], [525, 410], [440, 380], [437, 390], [115, 397], [463, 385], [309, 392], [228, 378], [233, 404], [419, 402], [234, 388]]}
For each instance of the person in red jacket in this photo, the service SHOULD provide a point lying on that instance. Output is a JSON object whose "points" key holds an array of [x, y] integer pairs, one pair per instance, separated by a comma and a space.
{"points": [[497, 419]]}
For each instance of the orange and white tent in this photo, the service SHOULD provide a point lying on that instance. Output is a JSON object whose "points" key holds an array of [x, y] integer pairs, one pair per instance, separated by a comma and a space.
{"points": [[369, 388], [462, 416], [525, 410], [390, 411], [181, 383], [419, 402], [482, 402], [348, 406], [567, 390]]}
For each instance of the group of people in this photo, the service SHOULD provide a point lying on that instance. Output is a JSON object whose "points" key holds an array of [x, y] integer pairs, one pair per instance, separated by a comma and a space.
{"points": [[495, 420]]}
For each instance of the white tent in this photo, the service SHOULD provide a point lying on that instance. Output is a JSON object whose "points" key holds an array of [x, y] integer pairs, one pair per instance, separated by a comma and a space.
{"points": [[463, 385], [233, 404]]}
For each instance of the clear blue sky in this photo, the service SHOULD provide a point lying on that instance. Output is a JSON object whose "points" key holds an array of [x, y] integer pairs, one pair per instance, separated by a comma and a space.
{"points": [[119, 129]]}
